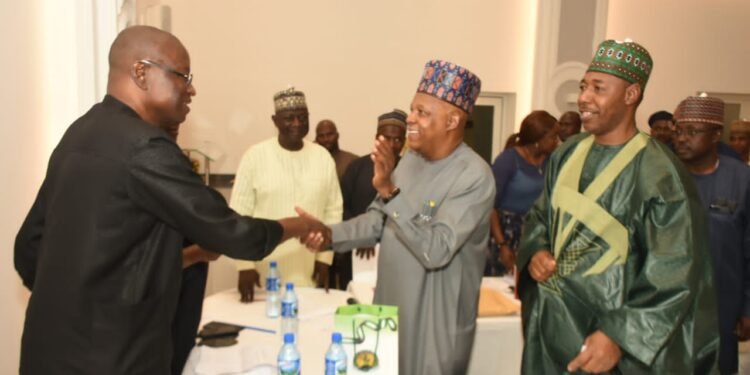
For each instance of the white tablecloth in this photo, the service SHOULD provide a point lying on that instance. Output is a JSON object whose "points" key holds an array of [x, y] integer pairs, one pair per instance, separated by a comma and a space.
{"points": [[497, 344], [256, 351]]}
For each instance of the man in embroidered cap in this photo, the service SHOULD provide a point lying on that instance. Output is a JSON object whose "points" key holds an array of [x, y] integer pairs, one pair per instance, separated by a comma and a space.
{"points": [[356, 184], [278, 174], [613, 266], [431, 216], [724, 187], [739, 138]]}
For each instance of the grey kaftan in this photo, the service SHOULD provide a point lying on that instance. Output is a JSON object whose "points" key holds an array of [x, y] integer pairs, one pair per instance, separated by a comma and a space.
{"points": [[432, 238]]}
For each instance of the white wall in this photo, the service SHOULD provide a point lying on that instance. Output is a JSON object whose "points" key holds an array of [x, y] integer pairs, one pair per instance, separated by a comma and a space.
{"points": [[695, 44], [51, 61], [353, 59], [21, 165]]}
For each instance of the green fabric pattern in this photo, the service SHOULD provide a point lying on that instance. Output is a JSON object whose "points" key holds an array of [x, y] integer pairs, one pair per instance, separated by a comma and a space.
{"points": [[627, 60], [658, 303]]}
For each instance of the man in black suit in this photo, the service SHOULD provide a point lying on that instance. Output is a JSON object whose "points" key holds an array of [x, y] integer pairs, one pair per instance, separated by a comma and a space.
{"points": [[101, 248]]}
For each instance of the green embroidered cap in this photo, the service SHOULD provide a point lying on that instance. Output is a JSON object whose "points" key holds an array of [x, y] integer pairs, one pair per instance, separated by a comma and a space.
{"points": [[627, 60]]}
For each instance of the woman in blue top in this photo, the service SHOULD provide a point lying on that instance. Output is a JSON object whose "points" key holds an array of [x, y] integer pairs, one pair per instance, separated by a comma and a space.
{"points": [[519, 179]]}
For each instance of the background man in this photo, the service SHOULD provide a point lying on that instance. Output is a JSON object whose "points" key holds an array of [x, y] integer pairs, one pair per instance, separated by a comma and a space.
{"points": [[356, 184], [278, 174], [432, 220], [327, 136], [570, 125], [617, 215], [724, 187], [739, 139], [662, 127], [101, 248]]}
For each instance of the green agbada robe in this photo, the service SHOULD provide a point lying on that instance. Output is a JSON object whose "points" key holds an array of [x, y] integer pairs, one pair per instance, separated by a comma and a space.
{"points": [[626, 228]]}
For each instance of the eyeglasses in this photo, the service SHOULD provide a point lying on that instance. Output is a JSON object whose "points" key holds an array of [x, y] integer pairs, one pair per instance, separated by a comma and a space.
{"points": [[187, 77], [692, 132]]}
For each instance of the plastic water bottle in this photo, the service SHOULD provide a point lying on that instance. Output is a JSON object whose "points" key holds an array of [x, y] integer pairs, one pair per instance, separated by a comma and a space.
{"points": [[335, 357], [289, 310], [273, 303], [288, 359]]}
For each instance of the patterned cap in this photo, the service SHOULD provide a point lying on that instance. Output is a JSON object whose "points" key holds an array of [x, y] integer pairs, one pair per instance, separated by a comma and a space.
{"points": [[741, 126], [627, 60], [289, 99], [396, 117], [451, 83], [702, 109]]}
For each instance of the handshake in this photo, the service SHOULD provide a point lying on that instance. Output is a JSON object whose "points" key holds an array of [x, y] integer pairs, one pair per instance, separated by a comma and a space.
{"points": [[308, 229]]}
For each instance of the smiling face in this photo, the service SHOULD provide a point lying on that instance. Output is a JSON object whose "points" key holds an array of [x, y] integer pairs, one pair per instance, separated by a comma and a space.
{"points": [[169, 94], [603, 102], [293, 125], [427, 125]]}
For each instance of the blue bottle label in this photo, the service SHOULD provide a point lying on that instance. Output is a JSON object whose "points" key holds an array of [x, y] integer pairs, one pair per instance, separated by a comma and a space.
{"points": [[289, 367], [288, 309], [335, 367], [272, 284]]}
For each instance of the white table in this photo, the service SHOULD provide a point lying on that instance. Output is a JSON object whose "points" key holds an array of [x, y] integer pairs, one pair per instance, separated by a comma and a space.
{"points": [[497, 345], [498, 341], [316, 313]]}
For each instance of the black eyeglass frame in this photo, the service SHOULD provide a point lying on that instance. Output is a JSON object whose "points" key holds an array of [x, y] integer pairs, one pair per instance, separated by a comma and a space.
{"points": [[692, 132], [187, 77]]}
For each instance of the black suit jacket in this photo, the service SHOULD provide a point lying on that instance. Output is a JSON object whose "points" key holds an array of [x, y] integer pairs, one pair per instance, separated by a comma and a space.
{"points": [[101, 247]]}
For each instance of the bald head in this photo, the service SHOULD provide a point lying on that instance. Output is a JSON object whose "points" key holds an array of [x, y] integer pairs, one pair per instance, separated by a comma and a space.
{"points": [[326, 125], [327, 135], [149, 71], [136, 43]]}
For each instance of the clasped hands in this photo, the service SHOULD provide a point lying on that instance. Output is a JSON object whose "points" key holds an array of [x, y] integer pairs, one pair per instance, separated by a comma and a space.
{"points": [[599, 353], [311, 232], [318, 235]]}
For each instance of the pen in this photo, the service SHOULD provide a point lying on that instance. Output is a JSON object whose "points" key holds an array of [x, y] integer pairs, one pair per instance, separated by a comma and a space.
{"points": [[259, 329]]}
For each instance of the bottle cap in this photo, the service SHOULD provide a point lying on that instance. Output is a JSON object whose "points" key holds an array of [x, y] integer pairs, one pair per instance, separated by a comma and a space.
{"points": [[289, 286], [288, 338], [336, 337], [273, 264]]}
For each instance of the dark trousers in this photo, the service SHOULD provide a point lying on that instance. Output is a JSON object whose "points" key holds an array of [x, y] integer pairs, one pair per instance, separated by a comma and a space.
{"points": [[341, 270], [188, 315]]}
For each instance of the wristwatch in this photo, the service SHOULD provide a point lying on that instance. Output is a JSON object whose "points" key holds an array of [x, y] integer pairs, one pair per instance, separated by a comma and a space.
{"points": [[392, 195]]}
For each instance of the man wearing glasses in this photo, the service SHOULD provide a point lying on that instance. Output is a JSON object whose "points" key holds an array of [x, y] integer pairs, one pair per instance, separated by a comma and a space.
{"points": [[724, 187], [101, 248]]}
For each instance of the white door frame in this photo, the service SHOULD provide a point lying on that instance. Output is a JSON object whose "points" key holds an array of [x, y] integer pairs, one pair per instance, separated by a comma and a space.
{"points": [[503, 117]]}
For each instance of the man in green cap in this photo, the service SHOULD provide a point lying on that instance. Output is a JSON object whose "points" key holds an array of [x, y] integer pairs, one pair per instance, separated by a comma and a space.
{"points": [[614, 269]]}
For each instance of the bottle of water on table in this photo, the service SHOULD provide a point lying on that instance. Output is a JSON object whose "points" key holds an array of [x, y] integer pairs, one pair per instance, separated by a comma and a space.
{"points": [[335, 357], [273, 284], [289, 310], [288, 359]]}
